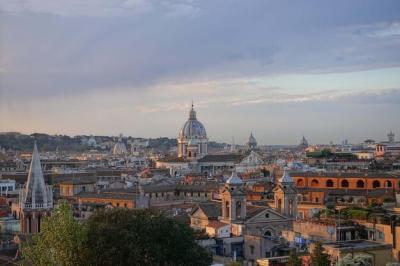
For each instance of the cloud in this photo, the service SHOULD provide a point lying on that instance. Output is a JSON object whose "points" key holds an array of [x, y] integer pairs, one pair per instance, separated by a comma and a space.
{"points": [[181, 9], [76, 8], [137, 60], [388, 96], [98, 45], [271, 97], [380, 30]]}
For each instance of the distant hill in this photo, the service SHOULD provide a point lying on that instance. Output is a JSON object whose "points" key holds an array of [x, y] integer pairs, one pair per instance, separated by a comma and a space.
{"points": [[22, 142]]}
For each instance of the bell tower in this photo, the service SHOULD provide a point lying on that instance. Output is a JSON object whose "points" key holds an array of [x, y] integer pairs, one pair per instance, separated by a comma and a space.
{"points": [[233, 199], [36, 199], [285, 196]]}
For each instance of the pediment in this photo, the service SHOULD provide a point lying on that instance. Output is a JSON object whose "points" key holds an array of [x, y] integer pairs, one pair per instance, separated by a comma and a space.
{"points": [[198, 213], [287, 189], [252, 158], [267, 215]]}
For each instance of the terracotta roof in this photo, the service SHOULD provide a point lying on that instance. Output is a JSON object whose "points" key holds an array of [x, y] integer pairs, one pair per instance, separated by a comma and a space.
{"points": [[210, 209], [252, 210], [216, 224]]}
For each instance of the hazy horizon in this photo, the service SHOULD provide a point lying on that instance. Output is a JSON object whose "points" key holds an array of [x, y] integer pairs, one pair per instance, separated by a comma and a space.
{"points": [[326, 70]]}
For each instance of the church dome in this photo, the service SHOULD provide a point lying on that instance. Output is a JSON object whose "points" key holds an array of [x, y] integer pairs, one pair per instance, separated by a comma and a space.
{"points": [[92, 142], [252, 140], [193, 129], [119, 147]]}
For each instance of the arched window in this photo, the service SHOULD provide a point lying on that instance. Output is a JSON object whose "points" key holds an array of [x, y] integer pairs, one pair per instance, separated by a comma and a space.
{"points": [[376, 184], [300, 183], [29, 224], [329, 183], [279, 205], [314, 183], [227, 209], [345, 183], [388, 183], [267, 234], [238, 209], [290, 207], [360, 184], [39, 223]]}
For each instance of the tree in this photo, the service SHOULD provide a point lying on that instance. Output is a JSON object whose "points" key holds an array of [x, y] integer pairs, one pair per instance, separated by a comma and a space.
{"points": [[357, 260], [318, 257], [142, 237], [294, 259], [235, 263], [62, 241]]}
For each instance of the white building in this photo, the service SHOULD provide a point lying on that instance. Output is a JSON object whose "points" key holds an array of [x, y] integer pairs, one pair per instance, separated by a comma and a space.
{"points": [[218, 229], [119, 147], [7, 186]]}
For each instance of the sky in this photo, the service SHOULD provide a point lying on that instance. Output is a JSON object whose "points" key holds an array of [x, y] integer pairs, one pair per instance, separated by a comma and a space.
{"points": [[328, 70]]}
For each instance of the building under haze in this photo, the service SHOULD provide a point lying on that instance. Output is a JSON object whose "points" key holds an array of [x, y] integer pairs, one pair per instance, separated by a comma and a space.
{"points": [[120, 147], [192, 139], [192, 155]]}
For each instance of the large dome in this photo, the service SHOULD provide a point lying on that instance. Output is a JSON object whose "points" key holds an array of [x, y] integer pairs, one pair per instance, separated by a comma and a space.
{"points": [[193, 129], [119, 147]]}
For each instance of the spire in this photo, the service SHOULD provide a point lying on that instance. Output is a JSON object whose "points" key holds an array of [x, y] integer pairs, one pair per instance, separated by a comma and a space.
{"points": [[234, 179], [192, 114], [36, 194], [286, 178]]}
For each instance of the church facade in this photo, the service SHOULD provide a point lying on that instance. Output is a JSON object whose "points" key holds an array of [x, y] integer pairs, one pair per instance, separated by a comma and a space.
{"points": [[255, 229]]}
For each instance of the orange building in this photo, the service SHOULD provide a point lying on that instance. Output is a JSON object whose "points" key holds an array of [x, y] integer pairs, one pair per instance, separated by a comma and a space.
{"points": [[123, 200], [71, 188], [346, 187]]}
